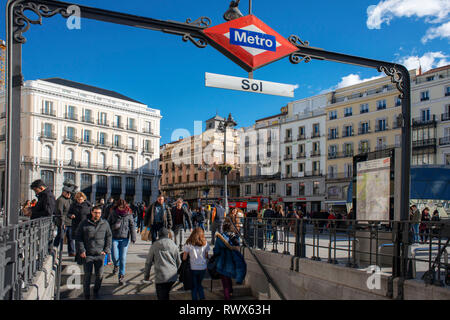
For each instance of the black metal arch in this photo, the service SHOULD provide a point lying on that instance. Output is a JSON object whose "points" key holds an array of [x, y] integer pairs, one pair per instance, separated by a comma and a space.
{"points": [[18, 23]]}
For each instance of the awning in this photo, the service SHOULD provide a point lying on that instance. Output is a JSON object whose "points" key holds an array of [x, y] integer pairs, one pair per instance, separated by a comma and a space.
{"points": [[339, 202]]}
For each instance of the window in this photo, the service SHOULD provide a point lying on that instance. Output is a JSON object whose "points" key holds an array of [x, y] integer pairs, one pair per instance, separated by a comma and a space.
{"points": [[102, 182], [273, 188], [316, 167], [70, 155], [71, 112], [316, 148], [425, 115], [348, 112], [333, 133], [301, 132], [288, 170], [381, 125], [117, 162], [48, 130], [48, 177], [87, 136], [70, 133], [364, 128], [131, 142], [147, 145], [301, 167], [364, 146], [316, 188], [130, 163], [47, 153], [248, 189], [117, 121], [348, 169], [87, 158], [301, 189], [332, 115], [69, 176], [424, 96], [48, 107], [381, 104], [117, 141], [447, 91], [332, 171], [259, 188], [130, 183], [348, 131], [288, 189], [87, 115], [101, 138], [381, 143], [131, 124], [332, 151], [102, 118], [398, 102], [364, 108], [102, 159], [348, 149], [316, 130]]}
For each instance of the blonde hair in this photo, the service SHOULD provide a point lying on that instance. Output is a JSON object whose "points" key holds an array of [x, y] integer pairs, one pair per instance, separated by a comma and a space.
{"points": [[81, 195]]}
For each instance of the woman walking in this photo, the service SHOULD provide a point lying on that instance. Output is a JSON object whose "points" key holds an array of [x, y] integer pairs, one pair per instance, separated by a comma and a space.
{"points": [[79, 210], [197, 248], [424, 227], [230, 263], [122, 226]]}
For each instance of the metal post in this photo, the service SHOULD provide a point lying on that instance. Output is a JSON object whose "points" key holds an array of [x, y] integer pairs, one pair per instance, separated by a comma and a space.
{"points": [[225, 180]]}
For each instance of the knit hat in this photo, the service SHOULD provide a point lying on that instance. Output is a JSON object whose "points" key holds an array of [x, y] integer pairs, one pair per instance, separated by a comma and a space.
{"points": [[67, 189]]}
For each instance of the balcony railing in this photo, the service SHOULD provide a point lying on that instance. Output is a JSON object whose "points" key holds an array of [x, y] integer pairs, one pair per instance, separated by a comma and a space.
{"points": [[288, 139], [363, 150], [103, 144], [333, 136], [347, 133], [48, 161], [131, 148], [424, 98], [101, 122], [2, 137], [71, 116], [131, 128], [420, 121], [288, 157], [315, 134], [87, 119], [301, 155], [89, 142], [342, 154], [51, 112], [2, 115], [48, 135], [70, 139], [315, 153], [424, 143], [445, 116], [340, 175], [148, 130], [118, 125], [362, 130], [118, 146], [301, 137], [381, 128], [150, 151], [444, 141]]}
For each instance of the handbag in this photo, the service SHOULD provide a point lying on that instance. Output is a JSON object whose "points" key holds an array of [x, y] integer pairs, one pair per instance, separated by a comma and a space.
{"points": [[184, 273], [212, 267], [145, 234]]}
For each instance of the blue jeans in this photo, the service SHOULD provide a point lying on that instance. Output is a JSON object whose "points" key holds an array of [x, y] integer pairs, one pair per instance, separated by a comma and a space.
{"points": [[197, 288], [119, 254], [70, 240], [416, 232]]}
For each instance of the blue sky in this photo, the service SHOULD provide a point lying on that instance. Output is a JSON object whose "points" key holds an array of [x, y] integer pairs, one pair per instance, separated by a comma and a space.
{"points": [[168, 74]]}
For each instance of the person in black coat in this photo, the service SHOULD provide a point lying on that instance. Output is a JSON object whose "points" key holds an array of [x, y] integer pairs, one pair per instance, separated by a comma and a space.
{"points": [[45, 207], [79, 210]]}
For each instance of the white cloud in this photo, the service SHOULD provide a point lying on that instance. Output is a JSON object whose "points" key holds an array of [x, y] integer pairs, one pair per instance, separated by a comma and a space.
{"points": [[435, 11], [428, 61], [347, 81], [443, 31]]}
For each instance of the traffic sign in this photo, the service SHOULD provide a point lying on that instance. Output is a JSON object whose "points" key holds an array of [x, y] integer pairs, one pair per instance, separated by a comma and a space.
{"points": [[251, 41], [249, 85]]}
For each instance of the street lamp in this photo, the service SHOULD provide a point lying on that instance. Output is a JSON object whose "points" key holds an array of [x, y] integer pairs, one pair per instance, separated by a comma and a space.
{"points": [[207, 168], [223, 125]]}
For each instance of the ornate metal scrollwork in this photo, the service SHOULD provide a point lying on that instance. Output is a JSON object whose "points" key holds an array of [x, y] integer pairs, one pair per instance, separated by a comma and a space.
{"points": [[204, 22], [295, 40], [22, 23], [198, 42], [396, 77]]}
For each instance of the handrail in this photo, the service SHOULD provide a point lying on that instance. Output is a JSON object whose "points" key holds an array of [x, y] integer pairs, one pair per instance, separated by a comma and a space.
{"points": [[263, 269]]}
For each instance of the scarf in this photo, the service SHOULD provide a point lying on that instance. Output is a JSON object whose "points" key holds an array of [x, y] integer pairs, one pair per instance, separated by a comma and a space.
{"points": [[122, 213]]}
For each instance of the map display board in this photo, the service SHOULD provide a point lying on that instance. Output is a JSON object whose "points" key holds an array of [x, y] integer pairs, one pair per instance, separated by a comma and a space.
{"points": [[373, 189]]}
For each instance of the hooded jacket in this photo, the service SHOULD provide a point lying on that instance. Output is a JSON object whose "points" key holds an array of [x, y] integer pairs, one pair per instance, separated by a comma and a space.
{"points": [[164, 254], [230, 263], [45, 207]]}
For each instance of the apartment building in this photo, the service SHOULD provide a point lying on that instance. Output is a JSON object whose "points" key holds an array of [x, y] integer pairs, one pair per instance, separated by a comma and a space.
{"points": [[302, 151], [190, 167], [430, 114], [360, 118], [104, 141]]}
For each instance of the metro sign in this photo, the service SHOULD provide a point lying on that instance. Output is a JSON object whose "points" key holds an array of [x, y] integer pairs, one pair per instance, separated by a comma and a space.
{"points": [[250, 41]]}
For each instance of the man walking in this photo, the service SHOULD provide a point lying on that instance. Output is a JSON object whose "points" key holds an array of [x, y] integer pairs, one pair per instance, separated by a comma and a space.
{"points": [[180, 216], [63, 222], [415, 221], [45, 207], [158, 216], [164, 254], [94, 240], [217, 219]]}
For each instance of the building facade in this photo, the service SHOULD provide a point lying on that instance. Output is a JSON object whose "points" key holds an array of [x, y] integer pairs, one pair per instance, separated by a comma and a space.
{"points": [[431, 117], [106, 142], [190, 167]]}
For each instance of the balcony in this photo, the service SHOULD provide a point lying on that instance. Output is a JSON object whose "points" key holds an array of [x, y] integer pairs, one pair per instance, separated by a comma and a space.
{"points": [[131, 128], [149, 151], [71, 116], [288, 157], [338, 155], [422, 121], [148, 130], [2, 137], [315, 134], [301, 155], [333, 136], [339, 176], [48, 135], [104, 123], [70, 140], [288, 139], [381, 128], [424, 143], [70, 163], [444, 141], [424, 98], [315, 153], [348, 133], [103, 145], [131, 148], [447, 94], [118, 146], [363, 130], [48, 112], [3, 115], [445, 116], [118, 125], [301, 137], [363, 150], [87, 142], [47, 161], [87, 119]]}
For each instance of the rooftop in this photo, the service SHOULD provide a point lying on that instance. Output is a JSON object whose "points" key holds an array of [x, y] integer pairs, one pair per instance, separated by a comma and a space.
{"points": [[436, 70], [85, 87]]}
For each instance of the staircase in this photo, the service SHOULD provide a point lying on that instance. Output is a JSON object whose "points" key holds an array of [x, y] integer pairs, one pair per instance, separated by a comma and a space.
{"points": [[133, 287]]}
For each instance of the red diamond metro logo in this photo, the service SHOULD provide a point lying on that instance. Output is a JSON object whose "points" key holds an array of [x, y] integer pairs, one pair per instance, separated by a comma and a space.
{"points": [[251, 41]]}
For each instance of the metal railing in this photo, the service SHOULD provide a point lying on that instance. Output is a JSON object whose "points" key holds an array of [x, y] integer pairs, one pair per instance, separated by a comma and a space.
{"points": [[358, 244], [23, 249]]}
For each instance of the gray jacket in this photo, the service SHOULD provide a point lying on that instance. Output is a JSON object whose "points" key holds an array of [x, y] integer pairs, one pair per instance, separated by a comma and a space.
{"points": [[122, 227], [62, 209], [416, 216], [164, 254], [93, 238], [220, 214]]}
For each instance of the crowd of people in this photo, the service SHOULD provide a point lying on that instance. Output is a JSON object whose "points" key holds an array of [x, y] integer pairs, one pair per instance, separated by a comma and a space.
{"points": [[422, 227], [100, 234]]}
